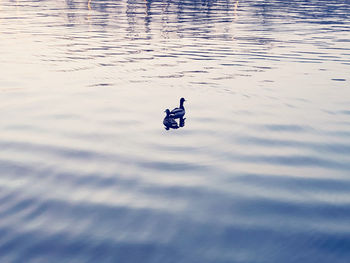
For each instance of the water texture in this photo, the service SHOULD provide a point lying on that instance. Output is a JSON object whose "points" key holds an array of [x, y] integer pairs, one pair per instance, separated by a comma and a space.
{"points": [[259, 173]]}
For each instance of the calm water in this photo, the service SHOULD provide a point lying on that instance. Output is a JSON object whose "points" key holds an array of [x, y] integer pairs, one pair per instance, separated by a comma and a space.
{"points": [[259, 173]]}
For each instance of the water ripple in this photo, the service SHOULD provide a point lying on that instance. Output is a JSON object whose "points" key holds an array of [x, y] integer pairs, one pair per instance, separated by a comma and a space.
{"points": [[259, 172]]}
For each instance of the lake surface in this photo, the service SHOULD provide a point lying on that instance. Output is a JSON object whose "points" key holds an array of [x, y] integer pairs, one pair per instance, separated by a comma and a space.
{"points": [[260, 172]]}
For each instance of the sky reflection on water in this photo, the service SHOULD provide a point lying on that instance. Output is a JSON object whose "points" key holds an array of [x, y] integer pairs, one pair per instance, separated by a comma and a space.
{"points": [[260, 172]]}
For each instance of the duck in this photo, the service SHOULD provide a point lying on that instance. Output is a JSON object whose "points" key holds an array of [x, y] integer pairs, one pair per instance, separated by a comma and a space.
{"points": [[178, 112], [169, 121]]}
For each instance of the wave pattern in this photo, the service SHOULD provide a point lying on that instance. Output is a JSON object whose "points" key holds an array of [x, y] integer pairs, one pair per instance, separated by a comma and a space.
{"points": [[259, 173]]}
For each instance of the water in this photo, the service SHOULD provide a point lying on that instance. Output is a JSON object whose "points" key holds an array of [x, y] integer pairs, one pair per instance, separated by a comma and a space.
{"points": [[259, 173]]}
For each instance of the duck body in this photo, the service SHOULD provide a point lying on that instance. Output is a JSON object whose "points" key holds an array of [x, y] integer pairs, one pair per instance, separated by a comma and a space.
{"points": [[180, 111]]}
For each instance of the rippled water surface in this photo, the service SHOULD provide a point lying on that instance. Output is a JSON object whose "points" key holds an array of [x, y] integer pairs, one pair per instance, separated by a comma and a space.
{"points": [[259, 173]]}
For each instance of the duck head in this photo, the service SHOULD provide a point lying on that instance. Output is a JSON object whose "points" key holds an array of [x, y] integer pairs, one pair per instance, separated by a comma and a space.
{"points": [[167, 112], [182, 100]]}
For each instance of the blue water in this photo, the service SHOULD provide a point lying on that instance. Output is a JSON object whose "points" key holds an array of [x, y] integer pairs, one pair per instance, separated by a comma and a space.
{"points": [[259, 173]]}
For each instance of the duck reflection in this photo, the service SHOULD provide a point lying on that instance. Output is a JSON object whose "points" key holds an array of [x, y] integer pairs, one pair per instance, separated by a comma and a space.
{"points": [[182, 122]]}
